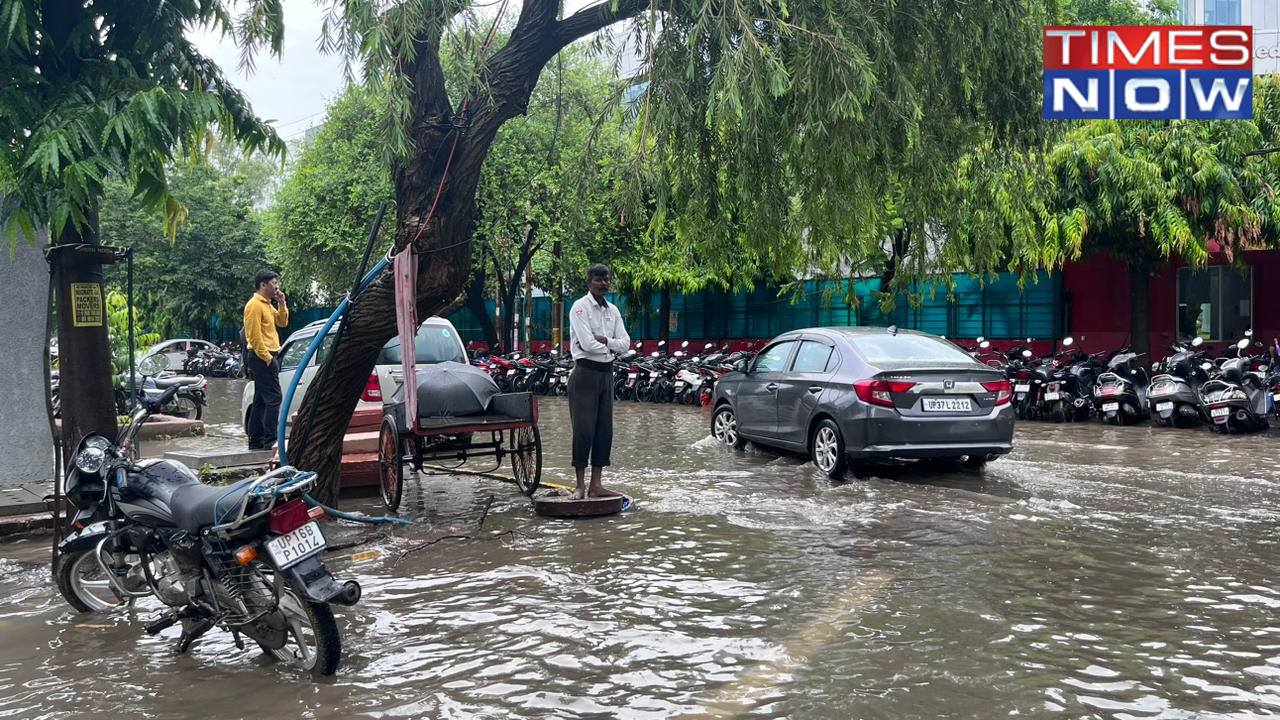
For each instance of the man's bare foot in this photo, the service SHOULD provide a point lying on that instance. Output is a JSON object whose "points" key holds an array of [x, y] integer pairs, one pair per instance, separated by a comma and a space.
{"points": [[578, 494], [600, 491]]}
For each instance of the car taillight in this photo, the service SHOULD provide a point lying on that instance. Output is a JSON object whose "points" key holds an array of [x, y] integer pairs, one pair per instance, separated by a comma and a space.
{"points": [[1002, 389], [288, 517], [878, 392], [372, 390]]}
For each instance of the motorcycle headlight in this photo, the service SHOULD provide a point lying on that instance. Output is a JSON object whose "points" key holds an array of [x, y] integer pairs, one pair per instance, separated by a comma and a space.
{"points": [[94, 455]]}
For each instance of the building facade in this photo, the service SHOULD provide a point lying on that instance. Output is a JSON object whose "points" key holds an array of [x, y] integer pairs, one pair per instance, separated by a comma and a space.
{"points": [[1263, 15]]}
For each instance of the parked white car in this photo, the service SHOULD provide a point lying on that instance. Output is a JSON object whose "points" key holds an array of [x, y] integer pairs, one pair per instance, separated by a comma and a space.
{"points": [[176, 350], [437, 341]]}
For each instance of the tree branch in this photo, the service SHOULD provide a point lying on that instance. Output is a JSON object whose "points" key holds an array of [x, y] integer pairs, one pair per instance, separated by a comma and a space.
{"points": [[596, 17]]}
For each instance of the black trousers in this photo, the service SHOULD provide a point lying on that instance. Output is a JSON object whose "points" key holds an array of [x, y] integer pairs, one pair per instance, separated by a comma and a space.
{"points": [[264, 414], [591, 414]]}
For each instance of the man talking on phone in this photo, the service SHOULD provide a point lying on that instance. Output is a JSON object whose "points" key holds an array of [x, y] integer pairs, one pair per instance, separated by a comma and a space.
{"points": [[265, 311]]}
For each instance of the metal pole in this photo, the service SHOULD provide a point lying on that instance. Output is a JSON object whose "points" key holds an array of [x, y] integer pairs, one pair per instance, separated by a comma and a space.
{"points": [[133, 392]]}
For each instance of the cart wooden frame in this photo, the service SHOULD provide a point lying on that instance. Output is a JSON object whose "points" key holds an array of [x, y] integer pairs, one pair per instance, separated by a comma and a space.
{"points": [[510, 428]]}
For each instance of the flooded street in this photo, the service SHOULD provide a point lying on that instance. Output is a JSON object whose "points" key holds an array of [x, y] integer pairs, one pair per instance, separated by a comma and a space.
{"points": [[1096, 572]]}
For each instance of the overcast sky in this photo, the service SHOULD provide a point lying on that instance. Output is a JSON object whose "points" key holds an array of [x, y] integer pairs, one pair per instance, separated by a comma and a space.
{"points": [[291, 91]]}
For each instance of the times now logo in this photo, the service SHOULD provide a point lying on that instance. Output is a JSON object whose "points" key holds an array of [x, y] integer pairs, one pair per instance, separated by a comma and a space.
{"points": [[1160, 72]]}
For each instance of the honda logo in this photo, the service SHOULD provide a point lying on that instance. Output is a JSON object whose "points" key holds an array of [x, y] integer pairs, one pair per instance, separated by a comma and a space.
{"points": [[948, 384]]}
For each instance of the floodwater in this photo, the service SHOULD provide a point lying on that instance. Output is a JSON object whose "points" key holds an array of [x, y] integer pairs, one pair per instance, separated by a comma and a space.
{"points": [[1096, 572]]}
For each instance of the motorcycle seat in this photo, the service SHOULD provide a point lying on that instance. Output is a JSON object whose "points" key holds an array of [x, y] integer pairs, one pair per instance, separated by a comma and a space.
{"points": [[167, 382], [198, 506]]}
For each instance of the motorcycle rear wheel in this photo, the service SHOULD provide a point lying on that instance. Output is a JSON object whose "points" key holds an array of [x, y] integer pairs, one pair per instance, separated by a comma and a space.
{"points": [[83, 583], [184, 407], [312, 642]]}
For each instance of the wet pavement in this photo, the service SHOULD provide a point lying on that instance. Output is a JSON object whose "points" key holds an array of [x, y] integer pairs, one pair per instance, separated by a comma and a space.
{"points": [[1096, 572]]}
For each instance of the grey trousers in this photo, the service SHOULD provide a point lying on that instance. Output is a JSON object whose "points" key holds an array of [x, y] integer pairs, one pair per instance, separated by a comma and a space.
{"points": [[591, 415]]}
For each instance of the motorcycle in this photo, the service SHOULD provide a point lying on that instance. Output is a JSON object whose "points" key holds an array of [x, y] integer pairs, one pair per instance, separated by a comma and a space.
{"points": [[1236, 401], [1174, 396], [1121, 393], [245, 558]]}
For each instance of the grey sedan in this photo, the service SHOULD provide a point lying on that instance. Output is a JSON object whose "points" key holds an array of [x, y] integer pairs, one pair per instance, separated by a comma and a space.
{"points": [[846, 396]]}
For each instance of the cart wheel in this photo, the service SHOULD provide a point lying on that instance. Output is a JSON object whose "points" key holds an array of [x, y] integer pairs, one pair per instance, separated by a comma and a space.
{"points": [[525, 447], [390, 465]]}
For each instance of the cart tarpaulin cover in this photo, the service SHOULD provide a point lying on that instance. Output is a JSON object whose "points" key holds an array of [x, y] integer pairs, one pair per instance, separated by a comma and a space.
{"points": [[450, 389], [406, 273]]}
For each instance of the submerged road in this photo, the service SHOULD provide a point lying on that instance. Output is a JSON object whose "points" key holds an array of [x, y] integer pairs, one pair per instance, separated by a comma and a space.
{"points": [[1096, 572]]}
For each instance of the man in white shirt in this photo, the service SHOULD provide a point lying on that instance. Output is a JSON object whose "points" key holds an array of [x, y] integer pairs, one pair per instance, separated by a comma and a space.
{"points": [[595, 334]]}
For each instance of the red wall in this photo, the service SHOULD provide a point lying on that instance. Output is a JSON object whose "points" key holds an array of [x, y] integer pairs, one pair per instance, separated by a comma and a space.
{"points": [[1097, 289]]}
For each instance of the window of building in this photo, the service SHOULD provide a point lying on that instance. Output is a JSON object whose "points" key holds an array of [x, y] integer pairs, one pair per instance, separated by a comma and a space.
{"points": [[1215, 303], [1266, 15], [1187, 12], [1222, 12]]}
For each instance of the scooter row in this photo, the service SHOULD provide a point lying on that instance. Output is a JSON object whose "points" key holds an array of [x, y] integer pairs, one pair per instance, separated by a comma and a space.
{"points": [[1234, 393]]}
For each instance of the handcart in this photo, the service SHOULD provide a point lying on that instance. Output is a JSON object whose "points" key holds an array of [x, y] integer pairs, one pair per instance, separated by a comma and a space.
{"points": [[509, 428]]}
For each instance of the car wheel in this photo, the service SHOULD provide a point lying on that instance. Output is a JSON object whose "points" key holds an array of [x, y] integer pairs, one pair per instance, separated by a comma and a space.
{"points": [[826, 447], [724, 426]]}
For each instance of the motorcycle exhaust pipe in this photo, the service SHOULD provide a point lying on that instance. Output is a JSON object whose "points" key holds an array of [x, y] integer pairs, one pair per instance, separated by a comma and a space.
{"points": [[349, 595]]}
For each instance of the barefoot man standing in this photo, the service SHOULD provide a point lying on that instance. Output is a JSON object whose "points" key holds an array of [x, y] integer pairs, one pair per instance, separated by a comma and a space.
{"points": [[595, 334]]}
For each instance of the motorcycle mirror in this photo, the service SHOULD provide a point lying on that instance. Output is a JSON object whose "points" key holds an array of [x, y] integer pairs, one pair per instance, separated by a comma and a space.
{"points": [[153, 364], [677, 354], [555, 353], [1206, 366], [662, 343], [1068, 341], [981, 339], [984, 344], [708, 346], [1248, 333], [696, 359], [1263, 368], [1242, 344], [1197, 341], [1257, 343], [684, 344], [1026, 353]]}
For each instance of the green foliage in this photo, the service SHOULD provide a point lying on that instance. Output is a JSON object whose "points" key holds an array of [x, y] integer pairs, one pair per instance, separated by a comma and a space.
{"points": [[1119, 12], [208, 268], [318, 224], [1139, 190], [118, 312], [112, 88]]}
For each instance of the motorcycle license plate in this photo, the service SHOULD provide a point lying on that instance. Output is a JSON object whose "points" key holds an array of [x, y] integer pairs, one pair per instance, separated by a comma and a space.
{"points": [[679, 384], [631, 376], [1021, 388], [511, 371], [653, 375], [298, 545], [1276, 397], [947, 405], [1219, 412], [1110, 407], [1164, 406], [1051, 396]]}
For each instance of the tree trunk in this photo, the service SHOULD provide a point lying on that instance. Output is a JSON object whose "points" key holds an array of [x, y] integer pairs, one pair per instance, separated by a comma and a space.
{"points": [[474, 302], [898, 250], [88, 402], [1139, 307], [437, 209]]}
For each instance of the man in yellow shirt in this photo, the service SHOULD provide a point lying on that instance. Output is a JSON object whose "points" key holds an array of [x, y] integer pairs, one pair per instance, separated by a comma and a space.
{"points": [[261, 318]]}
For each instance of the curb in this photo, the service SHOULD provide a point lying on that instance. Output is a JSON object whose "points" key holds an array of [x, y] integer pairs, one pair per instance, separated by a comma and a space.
{"points": [[21, 526]]}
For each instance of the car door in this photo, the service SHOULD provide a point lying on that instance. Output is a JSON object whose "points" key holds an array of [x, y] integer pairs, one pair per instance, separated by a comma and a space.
{"points": [[290, 357], [757, 402], [801, 387]]}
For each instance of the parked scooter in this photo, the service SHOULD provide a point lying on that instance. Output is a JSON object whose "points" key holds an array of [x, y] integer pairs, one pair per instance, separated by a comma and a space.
{"points": [[1236, 401], [1121, 393], [245, 558], [1174, 396]]}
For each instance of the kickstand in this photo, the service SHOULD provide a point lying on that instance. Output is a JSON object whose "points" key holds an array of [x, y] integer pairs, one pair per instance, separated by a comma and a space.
{"points": [[192, 632], [235, 635]]}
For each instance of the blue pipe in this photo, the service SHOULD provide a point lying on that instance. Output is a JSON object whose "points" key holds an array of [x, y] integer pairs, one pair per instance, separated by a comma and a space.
{"points": [[293, 386]]}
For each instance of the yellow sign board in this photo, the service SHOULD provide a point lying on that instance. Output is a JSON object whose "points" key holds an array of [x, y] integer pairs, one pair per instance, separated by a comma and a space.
{"points": [[86, 305]]}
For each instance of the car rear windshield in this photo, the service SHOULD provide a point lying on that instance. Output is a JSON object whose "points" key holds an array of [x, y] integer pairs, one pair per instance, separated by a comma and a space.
{"points": [[904, 350], [435, 344]]}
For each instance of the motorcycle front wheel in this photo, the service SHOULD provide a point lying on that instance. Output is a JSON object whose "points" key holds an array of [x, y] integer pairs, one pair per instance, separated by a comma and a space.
{"points": [[83, 583]]}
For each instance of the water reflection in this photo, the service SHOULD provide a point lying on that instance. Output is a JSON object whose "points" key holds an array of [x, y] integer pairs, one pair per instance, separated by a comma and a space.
{"points": [[1117, 572]]}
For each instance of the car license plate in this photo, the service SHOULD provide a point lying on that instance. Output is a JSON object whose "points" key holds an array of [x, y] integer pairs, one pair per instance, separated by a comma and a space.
{"points": [[1164, 406], [1021, 388], [304, 542], [948, 405], [1051, 396], [1110, 407], [1219, 412]]}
